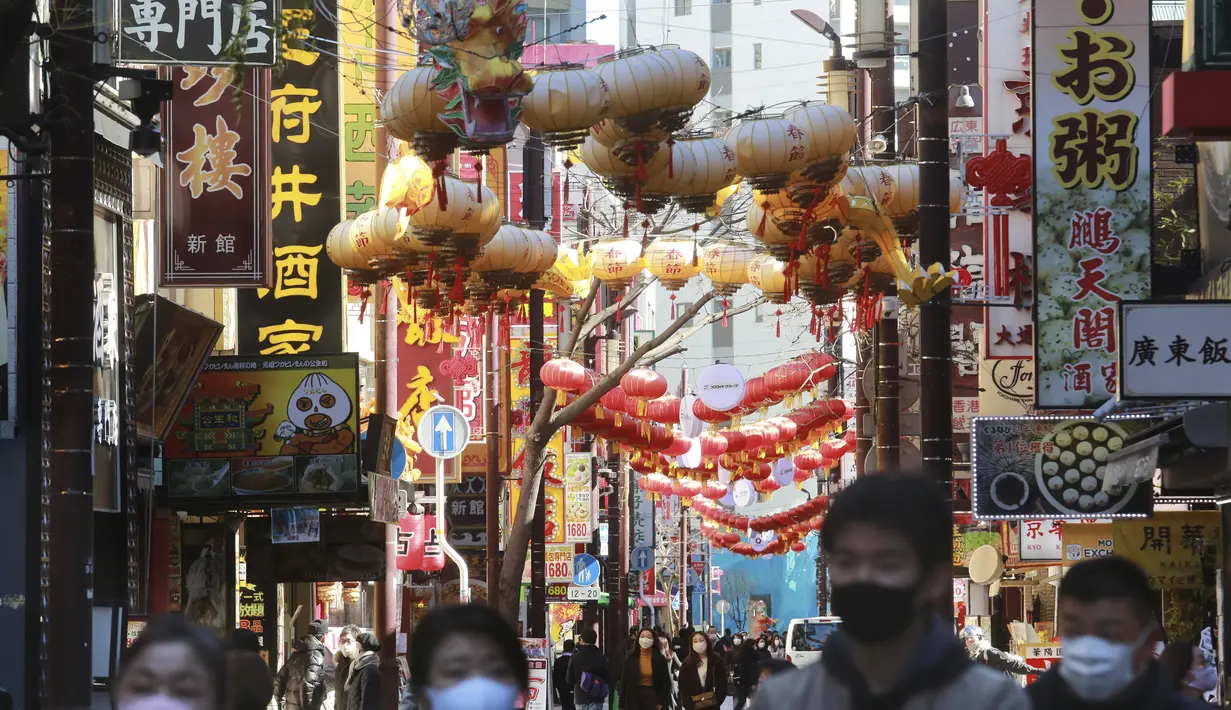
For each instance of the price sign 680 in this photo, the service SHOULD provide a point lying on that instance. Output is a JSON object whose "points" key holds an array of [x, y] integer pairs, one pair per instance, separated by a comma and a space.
{"points": [[559, 570]]}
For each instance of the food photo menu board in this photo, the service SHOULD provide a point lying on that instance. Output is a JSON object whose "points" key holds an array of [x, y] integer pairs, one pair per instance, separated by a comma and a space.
{"points": [[258, 431]]}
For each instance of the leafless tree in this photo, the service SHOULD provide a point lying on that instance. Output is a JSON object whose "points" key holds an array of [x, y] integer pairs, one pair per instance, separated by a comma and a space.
{"points": [[737, 591]]}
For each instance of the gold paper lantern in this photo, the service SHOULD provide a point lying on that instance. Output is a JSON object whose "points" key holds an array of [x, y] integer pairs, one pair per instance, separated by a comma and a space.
{"points": [[510, 247], [957, 192], [760, 222], [673, 261], [607, 132], [830, 130], [725, 264], [440, 216], [564, 103], [905, 198], [388, 226], [711, 170], [871, 181], [691, 79], [617, 262], [639, 82], [769, 275], [767, 149], [603, 162], [411, 111], [680, 169], [340, 247], [351, 592]]}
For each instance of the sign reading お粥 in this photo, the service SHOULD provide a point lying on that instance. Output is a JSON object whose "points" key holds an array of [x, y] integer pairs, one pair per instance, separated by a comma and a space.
{"points": [[216, 226], [1092, 207], [302, 310], [198, 32]]}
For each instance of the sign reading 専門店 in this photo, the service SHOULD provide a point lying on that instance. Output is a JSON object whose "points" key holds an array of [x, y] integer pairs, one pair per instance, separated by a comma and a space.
{"points": [[1092, 213], [1177, 350]]}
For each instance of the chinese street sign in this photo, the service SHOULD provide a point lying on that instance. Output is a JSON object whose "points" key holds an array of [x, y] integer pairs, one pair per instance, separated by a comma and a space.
{"points": [[466, 369], [1040, 656], [1039, 540], [1175, 350], [1093, 210], [423, 348], [356, 34], [1051, 467], [559, 563], [267, 430], [199, 32], [216, 224], [1086, 541], [1174, 548], [302, 311]]}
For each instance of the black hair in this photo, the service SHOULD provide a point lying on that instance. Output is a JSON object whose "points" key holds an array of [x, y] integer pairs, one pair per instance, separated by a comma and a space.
{"points": [[908, 503], [368, 641], [477, 619], [174, 628], [1108, 578], [693, 656], [250, 683], [590, 637], [1177, 661], [245, 640], [569, 645]]}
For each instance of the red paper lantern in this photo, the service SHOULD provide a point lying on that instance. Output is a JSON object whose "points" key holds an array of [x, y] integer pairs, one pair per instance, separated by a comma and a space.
{"points": [[768, 485], [705, 413], [615, 400], [680, 445], [787, 429], [799, 546], [713, 490], [412, 534], [643, 384], [788, 378], [753, 437], [433, 552], [736, 441], [809, 460], [664, 410], [801, 475], [758, 472], [820, 366], [713, 445], [687, 488], [563, 375]]}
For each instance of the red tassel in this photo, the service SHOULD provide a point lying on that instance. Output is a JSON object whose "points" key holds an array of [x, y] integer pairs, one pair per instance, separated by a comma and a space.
{"points": [[456, 294], [438, 173], [724, 312], [619, 306], [671, 156], [764, 217], [696, 252], [778, 327], [672, 309], [626, 208], [645, 234]]}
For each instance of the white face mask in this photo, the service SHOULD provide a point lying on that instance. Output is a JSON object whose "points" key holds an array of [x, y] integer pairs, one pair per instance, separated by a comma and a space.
{"points": [[738, 641], [1205, 679], [1096, 669], [645, 643], [478, 693], [699, 647]]}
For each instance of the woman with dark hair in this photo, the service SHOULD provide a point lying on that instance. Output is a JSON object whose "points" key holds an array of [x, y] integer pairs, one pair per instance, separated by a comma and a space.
{"points": [[645, 683], [703, 678], [173, 665], [362, 683], [1186, 667], [467, 657]]}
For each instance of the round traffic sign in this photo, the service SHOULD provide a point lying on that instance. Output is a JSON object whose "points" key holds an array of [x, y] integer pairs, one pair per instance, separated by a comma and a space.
{"points": [[443, 432]]}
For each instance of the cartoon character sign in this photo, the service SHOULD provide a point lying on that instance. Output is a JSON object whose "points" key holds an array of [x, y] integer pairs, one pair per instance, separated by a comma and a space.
{"points": [[318, 410]]}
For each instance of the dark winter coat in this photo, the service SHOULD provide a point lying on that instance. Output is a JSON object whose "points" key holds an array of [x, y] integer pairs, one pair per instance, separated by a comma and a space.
{"points": [[587, 659], [993, 657], [340, 671], [745, 668], [630, 679], [363, 683], [715, 680], [1151, 690], [300, 684], [559, 679]]}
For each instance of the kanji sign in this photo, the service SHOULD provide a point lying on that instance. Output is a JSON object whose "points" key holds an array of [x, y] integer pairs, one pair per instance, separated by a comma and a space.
{"points": [[1174, 548], [301, 311], [1175, 350], [1040, 540], [199, 32], [1040, 656], [1092, 211], [216, 224]]}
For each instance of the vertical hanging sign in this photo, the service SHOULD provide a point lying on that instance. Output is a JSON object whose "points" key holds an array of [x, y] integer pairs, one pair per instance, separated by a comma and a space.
{"points": [[357, 76], [1092, 205], [302, 311]]}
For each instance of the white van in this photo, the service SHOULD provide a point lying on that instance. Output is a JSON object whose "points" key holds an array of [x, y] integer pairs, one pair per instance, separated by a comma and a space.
{"points": [[805, 638]]}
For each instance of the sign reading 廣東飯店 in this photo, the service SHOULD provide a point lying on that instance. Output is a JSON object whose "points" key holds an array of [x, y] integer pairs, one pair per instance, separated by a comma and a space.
{"points": [[301, 311], [188, 32], [1092, 210], [1175, 350]]}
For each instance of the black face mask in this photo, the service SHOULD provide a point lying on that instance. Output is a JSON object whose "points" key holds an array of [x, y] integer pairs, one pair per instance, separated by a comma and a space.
{"points": [[872, 613]]}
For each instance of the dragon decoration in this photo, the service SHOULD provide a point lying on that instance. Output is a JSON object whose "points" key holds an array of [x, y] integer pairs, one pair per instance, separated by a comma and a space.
{"points": [[477, 46]]}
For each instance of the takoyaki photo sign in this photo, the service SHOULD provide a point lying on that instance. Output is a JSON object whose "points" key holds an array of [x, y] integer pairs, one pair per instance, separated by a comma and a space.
{"points": [[267, 429], [1053, 468]]}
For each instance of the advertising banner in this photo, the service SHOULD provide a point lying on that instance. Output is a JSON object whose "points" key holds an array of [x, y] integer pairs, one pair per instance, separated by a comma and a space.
{"points": [[216, 203], [539, 694], [559, 565], [520, 388], [1051, 467], [1092, 197], [577, 498], [1040, 540], [1085, 541], [269, 430], [1175, 350], [302, 310], [1006, 387], [1174, 548], [220, 33]]}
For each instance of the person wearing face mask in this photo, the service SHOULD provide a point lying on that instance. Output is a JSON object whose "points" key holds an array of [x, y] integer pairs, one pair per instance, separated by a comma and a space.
{"points": [[301, 683], [724, 643], [467, 657], [645, 683], [589, 674], [982, 651], [745, 669], [703, 677], [1185, 665], [342, 661], [888, 541], [362, 682], [173, 665], [1107, 633]]}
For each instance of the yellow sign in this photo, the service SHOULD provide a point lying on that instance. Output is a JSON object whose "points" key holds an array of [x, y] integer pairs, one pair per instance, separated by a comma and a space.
{"points": [[1172, 547], [1086, 541], [553, 514]]}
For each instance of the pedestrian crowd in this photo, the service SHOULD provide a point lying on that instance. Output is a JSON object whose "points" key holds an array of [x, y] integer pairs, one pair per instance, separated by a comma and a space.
{"points": [[887, 539]]}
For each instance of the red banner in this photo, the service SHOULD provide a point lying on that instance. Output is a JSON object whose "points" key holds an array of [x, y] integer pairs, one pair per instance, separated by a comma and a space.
{"points": [[412, 535]]}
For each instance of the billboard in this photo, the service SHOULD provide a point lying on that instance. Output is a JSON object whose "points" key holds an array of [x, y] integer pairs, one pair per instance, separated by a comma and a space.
{"points": [[1051, 467], [1092, 198], [267, 430], [201, 34]]}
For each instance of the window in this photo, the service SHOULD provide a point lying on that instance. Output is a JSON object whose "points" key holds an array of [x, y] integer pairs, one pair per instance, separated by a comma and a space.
{"points": [[722, 55], [756, 56], [723, 337], [681, 307], [683, 7], [835, 12]]}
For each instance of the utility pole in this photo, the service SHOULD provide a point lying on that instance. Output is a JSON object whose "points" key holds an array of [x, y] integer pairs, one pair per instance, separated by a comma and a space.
{"points": [[935, 349], [388, 590], [532, 207], [68, 293], [494, 442], [888, 408], [683, 575]]}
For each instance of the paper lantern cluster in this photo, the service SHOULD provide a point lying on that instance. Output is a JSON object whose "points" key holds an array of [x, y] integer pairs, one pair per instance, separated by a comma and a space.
{"points": [[772, 534]]}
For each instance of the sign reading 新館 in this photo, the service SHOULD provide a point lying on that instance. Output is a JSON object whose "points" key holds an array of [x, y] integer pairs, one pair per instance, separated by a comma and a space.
{"points": [[1093, 207]]}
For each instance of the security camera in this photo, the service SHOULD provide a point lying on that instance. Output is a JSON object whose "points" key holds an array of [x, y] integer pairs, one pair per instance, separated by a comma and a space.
{"points": [[145, 140]]}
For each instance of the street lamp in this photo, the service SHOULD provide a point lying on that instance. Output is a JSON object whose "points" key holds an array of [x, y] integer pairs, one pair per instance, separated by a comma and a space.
{"points": [[840, 79], [821, 27]]}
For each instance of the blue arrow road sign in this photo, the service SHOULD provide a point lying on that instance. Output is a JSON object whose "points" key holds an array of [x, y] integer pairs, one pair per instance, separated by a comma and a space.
{"points": [[585, 570], [643, 559], [443, 432]]}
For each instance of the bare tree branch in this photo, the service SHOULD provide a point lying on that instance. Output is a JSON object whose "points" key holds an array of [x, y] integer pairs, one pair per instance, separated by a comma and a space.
{"points": [[579, 319], [655, 358], [697, 327], [624, 304]]}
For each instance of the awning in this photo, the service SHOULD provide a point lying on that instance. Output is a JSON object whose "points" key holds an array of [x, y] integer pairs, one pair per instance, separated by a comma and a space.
{"points": [[1192, 449]]}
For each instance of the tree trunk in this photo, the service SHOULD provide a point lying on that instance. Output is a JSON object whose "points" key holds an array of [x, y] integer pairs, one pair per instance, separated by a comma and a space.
{"points": [[518, 541]]}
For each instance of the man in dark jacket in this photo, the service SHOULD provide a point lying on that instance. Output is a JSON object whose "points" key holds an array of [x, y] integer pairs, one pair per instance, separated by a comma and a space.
{"points": [[982, 651], [362, 683], [588, 661], [300, 684], [559, 677], [745, 669], [1108, 633]]}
